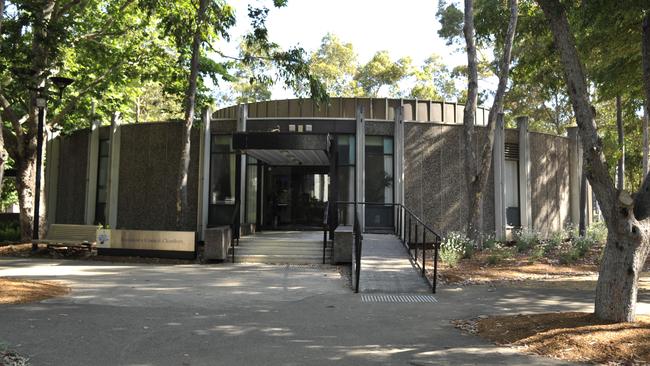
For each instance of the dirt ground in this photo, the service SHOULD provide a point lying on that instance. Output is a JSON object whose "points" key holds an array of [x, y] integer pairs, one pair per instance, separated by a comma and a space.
{"points": [[568, 336], [18, 291]]}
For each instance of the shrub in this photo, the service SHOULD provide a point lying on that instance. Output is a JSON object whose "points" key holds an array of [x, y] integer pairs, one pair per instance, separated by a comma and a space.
{"points": [[9, 231], [454, 247], [526, 239], [498, 254], [490, 242], [597, 232]]}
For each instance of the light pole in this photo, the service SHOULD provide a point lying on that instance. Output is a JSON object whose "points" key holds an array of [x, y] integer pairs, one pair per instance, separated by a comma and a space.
{"points": [[41, 102]]}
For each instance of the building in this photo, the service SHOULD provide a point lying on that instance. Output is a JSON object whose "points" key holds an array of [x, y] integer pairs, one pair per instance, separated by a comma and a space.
{"points": [[272, 165]]}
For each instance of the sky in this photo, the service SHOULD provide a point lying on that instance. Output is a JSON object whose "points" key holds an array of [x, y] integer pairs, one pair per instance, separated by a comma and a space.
{"points": [[403, 28]]}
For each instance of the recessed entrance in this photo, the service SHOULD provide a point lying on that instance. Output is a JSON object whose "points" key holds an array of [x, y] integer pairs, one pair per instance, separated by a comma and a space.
{"points": [[295, 197]]}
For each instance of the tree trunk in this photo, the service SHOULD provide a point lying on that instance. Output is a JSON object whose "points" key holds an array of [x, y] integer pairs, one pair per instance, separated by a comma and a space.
{"points": [[620, 171], [646, 87], [25, 169], [628, 223], [476, 176], [190, 101]]}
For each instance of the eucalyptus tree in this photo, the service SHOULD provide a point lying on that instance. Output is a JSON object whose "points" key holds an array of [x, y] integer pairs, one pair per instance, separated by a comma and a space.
{"points": [[627, 216], [381, 71], [476, 168], [335, 64]]}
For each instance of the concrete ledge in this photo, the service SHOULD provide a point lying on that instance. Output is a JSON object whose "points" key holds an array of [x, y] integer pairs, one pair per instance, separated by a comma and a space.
{"points": [[342, 245], [217, 240]]}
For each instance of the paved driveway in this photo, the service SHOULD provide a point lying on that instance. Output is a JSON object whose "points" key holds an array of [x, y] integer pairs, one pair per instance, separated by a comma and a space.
{"points": [[120, 314]]}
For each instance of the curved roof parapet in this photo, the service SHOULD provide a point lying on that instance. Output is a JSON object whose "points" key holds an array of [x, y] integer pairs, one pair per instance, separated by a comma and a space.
{"points": [[381, 109]]}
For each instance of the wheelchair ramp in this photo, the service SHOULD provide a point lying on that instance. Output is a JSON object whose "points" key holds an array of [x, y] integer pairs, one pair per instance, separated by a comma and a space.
{"points": [[387, 268]]}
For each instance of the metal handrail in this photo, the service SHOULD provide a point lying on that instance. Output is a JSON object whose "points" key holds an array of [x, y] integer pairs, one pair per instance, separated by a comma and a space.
{"points": [[325, 228], [414, 222], [235, 226]]}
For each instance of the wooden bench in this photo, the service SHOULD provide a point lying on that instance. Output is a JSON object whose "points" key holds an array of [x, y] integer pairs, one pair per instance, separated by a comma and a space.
{"points": [[64, 235]]}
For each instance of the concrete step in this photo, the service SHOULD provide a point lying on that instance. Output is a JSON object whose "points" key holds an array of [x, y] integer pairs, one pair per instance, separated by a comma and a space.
{"points": [[281, 251], [277, 244], [280, 259]]}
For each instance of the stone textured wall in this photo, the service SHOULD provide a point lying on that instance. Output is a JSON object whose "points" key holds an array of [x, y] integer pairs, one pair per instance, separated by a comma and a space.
{"points": [[434, 177], [549, 182], [73, 166], [435, 183], [149, 159]]}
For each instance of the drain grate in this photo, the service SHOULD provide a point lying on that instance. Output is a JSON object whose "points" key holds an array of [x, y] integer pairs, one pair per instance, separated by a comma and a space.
{"points": [[397, 298]]}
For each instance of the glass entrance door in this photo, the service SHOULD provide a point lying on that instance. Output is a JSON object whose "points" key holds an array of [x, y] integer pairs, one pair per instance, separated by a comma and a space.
{"points": [[295, 197]]}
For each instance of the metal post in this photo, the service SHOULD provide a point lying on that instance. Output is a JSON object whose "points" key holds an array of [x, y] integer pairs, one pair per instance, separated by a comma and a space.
{"points": [[37, 186], [435, 264], [424, 251], [409, 241], [416, 242]]}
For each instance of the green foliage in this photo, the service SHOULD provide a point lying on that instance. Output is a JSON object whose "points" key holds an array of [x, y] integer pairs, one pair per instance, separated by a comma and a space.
{"points": [[381, 71], [9, 231], [526, 239], [9, 194], [453, 248], [451, 19], [498, 254], [434, 81], [335, 64]]}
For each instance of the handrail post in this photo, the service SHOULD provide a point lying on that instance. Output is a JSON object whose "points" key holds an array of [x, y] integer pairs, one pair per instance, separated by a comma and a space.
{"points": [[424, 251], [435, 264], [409, 241], [416, 242]]}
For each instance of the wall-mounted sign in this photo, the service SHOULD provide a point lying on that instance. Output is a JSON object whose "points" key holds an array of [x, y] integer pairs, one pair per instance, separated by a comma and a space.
{"points": [[182, 241]]}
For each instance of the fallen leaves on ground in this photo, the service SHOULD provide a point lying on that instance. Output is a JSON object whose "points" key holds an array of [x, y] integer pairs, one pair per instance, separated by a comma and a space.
{"points": [[18, 291], [570, 336]]}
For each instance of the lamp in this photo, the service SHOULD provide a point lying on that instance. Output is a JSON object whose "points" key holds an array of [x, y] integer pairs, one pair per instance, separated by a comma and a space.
{"points": [[41, 102]]}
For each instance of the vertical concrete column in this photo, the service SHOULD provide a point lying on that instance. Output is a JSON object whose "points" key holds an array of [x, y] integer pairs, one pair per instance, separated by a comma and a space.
{"points": [[575, 173], [51, 175], [114, 170], [525, 191], [360, 194], [204, 174], [499, 162], [241, 127], [91, 171], [398, 140]]}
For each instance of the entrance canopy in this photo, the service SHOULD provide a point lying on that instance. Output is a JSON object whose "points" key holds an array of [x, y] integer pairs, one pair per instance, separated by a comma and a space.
{"points": [[284, 149]]}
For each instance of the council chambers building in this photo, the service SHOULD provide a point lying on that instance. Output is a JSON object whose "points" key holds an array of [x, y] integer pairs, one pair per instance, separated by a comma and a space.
{"points": [[275, 165]]}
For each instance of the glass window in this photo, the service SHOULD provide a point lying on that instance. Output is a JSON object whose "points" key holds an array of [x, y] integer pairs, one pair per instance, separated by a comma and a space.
{"points": [[346, 149], [102, 182], [251, 190], [222, 171], [379, 180]]}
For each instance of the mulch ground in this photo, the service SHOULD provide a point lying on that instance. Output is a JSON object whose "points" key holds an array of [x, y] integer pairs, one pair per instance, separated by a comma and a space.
{"points": [[18, 291], [570, 336]]}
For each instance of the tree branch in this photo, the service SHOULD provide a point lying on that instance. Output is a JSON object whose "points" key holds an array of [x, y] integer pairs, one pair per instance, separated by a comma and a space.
{"points": [[9, 114], [72, 103], [576, 82], [108, 24]]}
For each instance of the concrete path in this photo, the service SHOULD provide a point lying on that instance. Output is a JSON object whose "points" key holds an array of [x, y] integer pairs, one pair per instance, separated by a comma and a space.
{"points": [[128, 314], [386, 267]]}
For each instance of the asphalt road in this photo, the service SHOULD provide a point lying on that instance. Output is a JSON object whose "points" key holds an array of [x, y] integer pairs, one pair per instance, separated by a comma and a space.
{"points": [[135, 314]]}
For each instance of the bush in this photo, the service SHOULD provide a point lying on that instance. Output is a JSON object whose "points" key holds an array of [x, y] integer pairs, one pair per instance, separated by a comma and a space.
{"points": [[454, 247], [9, 232], [597, 232], [526, 239], [498, 254]]}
